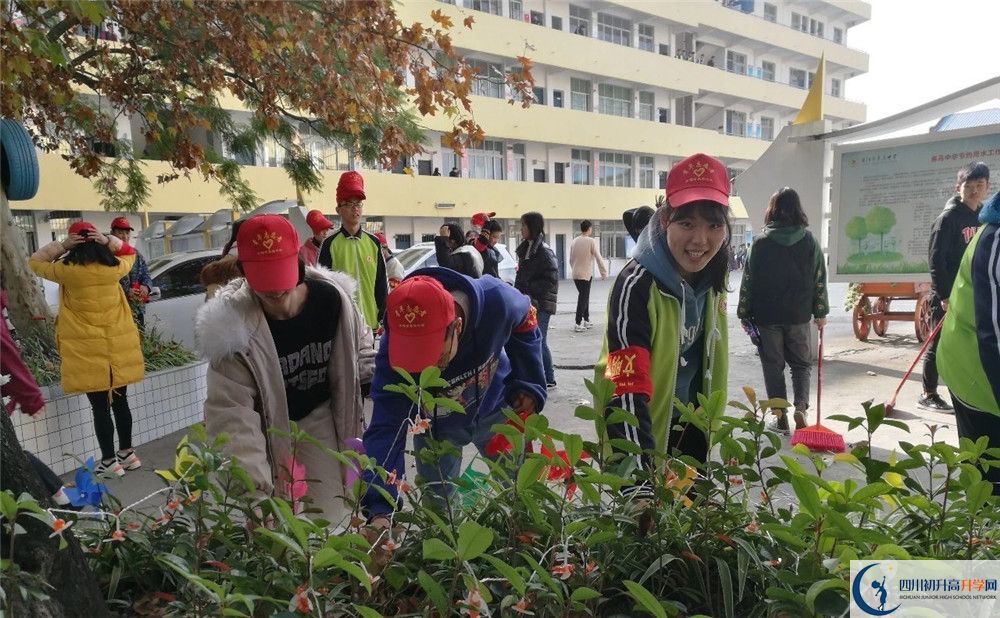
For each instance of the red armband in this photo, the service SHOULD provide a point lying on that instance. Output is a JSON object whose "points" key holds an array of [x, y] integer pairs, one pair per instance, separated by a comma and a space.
{"points": [[530, 321], [628, 368]]}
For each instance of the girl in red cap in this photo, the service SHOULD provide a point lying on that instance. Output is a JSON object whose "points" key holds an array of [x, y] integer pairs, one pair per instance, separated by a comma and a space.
{"points": [[98, 341]]}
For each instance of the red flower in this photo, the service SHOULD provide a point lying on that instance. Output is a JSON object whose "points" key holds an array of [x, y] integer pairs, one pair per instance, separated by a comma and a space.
{"points": [[590, 568], [221, 566], [563, 571], [498, 445]]}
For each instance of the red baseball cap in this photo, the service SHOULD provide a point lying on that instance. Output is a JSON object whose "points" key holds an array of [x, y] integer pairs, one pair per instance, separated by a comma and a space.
{"points": [[381, 239], [350, 186], [419, 311], [317, 221], [268, 248], [121, 223], [80, 226], [698, 177]]}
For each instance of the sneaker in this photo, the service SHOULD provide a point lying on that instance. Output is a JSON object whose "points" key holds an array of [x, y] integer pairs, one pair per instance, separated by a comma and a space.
{"points": [[934, 403], [579, 328], [129, 460], [551, 384], [779, 424], [588, 324], [800, 419], [109, 467]]}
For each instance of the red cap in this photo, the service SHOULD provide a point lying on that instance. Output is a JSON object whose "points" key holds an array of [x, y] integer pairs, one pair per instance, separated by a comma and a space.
{"points": [[121, 223], [350, 186], [418, 311], [480, 218], [381, 239], [268, 249], [80, 226], [698, 177], [317, 221]]}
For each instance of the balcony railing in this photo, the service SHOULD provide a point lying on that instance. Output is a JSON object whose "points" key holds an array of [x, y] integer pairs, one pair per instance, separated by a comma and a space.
{"points": [[739, 6]]}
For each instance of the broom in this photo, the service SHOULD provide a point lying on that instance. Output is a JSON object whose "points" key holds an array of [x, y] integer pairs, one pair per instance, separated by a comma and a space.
{"points": [[817, 437], [891, 404]]}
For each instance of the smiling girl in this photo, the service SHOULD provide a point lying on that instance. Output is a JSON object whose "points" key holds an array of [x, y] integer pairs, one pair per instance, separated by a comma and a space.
{"points": [[667, 331]]}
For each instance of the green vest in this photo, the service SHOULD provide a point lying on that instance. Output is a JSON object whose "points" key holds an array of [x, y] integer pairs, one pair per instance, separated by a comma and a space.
{"points": [[359, 256], [958, 349]]}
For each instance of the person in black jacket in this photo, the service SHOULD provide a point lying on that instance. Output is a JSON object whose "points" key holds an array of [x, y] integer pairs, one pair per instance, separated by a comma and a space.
{"points": [[453, 253], [486, 244], [783, 288], [538, 278], [950, 234]]}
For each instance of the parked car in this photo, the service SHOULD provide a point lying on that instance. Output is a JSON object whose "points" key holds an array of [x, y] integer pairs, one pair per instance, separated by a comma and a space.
{"points": [[176, 295], [421, 255]]}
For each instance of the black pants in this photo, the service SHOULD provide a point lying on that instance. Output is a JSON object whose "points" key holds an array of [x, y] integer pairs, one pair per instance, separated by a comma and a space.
{"points": [[689, 440], [582, 300], [973, 424], [103, 404], [930, 356]]}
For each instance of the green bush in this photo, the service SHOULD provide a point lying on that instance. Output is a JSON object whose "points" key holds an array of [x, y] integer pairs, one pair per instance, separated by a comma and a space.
{"points": [[753, 532]]}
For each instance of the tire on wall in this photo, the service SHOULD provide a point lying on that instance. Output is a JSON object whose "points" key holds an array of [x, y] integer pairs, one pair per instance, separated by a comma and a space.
{"points": [[18, 161]]}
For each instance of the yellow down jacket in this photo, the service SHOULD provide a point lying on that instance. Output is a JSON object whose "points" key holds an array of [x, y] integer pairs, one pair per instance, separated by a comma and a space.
{"points": [[98, 341]]}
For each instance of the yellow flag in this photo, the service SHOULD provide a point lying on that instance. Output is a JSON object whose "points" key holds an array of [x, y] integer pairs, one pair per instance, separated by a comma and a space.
{"points": [[812, 109]]}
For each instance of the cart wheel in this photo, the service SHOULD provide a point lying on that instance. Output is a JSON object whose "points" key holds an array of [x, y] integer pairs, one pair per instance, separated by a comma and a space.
{"points": [[862, 311], [879, 325], [922, 318]]}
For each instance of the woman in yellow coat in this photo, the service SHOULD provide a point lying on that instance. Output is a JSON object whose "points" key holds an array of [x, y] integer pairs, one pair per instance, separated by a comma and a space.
{"points": [[97, 340]]}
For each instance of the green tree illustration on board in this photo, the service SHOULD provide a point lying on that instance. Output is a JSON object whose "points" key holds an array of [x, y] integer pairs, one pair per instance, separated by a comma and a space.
{"points": [[879, 221], [856, 229]]}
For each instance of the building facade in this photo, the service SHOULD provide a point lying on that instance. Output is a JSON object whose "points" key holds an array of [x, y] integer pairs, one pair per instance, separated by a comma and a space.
{"points": [[623, 91]]}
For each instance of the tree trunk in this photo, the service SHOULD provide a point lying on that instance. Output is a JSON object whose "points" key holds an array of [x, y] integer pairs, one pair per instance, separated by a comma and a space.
{"points": [[74, 591], [26, 302]]}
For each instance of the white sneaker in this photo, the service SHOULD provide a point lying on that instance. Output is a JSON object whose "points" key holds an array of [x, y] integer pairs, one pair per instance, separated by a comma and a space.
{"points": [[579, 328], [588, 324], [109, 468], [129, 460]]}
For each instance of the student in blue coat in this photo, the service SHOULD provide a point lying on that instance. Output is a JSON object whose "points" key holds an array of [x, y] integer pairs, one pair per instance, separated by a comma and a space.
{"points": [[483, 335]]}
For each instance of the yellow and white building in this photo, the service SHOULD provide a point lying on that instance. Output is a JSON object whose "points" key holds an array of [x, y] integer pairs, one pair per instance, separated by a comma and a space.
{"points": [[624, 90]]}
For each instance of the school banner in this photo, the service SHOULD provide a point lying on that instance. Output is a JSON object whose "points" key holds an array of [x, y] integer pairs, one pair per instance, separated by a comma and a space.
{"points": [[887, 194]]}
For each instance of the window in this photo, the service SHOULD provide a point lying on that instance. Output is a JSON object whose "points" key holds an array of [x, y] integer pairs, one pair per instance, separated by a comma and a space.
{"points": [[450, 160], [557, 98], [579, 94], [664, 49], [520, 164], [736, 123], [736, 62], [580, 169], [663, 114], [767, 128], [614, 100], [487, 161], [662, 182], [685, 111], [646, 37], [612, 29], [516, 9], [767, 70], [556, 22], [647, 175], [816, 28], [834, 87], [539, 95], [538, 18], [770, 12], [24, 220], [183, 279], [614, 169], [489, 80], [797, 78], [403, 241], [809, 82], [800, 22], [646, 105], [486, 6], [579, 20], [838, 36], [60, 220]]}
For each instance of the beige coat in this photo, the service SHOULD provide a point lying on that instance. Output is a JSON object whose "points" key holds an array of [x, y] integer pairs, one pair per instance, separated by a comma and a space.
{"points": [[582, 253], [246, 393]]}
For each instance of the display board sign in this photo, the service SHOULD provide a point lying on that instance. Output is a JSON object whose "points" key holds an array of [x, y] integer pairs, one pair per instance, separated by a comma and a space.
{"points": [[887, 194]]}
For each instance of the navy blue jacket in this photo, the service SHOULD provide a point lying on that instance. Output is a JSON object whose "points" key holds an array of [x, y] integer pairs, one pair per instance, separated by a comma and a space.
{"points": [[498, 358]]}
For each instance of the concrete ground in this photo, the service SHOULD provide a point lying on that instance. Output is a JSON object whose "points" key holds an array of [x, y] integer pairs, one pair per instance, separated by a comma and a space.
{"points": [[853, 372]]}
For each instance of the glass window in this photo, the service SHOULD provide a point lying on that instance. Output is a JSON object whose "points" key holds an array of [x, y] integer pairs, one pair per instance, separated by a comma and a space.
{"points": [[664, 114], [647, 175], [557, 98], [520, 164], [614, 169], [664, 49], [770, 12], [579, 97], [489, 80], [556, 22], [24, 220], [612, 29], [767, 70], [797, 78], [183, 279], [403, 241], [816, 28], [516, 9], [800, 22], [736, 62], [486, 6], [809, 82], [736, 123], [60, 220], [838, 36], [580, 168], [767, 128], [579, 20], [539, 95], [646, 37], [834, 87], [614, 100], [487, 161], [538, 18], [646, 102]]}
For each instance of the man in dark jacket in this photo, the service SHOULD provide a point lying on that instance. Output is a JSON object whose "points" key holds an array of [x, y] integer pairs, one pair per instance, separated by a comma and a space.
{"points": [[486, 244], [951, 233], [484, 337], [137, 283], [538, 278]]}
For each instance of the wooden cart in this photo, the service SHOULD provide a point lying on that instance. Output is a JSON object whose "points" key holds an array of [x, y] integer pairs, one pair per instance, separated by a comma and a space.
{"points": [[872, 311]]}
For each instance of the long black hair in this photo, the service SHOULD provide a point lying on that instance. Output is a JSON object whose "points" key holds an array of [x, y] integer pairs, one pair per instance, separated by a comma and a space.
{"points": [[234, 232], [535, 222], [90, 252], [717, 269], [785, 209]]}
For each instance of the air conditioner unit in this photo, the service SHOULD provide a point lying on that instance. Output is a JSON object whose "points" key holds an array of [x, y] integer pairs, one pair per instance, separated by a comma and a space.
{"points": [[443, 205]]}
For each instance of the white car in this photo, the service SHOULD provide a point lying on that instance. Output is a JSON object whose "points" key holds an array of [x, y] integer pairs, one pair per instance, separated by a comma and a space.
{"points": [[421, 255], [176, 295]]}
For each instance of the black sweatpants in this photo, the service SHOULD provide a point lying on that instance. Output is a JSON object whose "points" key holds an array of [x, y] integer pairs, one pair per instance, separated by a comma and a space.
{"points": [[104, 403], [689, 440], [973, 424], [582, 300], [930, 356]]}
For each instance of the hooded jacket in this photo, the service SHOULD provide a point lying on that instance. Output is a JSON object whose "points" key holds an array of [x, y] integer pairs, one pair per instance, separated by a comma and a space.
{"points": [[499, 356], [538, 273], [464, 259], [246, 391], [968, 354], [98, 341], [950, 235], [784, 281], [662, 333]]}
